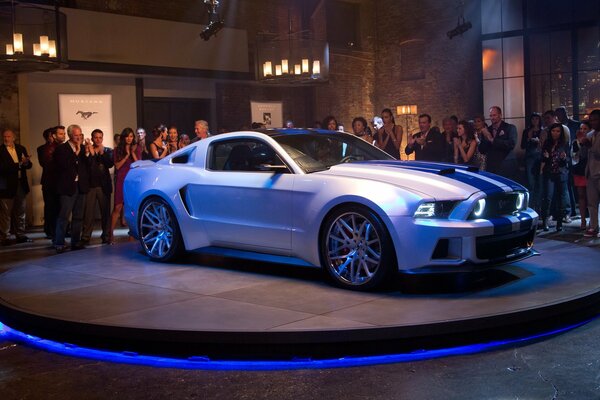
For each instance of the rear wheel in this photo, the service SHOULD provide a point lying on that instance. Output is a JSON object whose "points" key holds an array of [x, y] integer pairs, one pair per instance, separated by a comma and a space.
{"points": [[356, 249], [159, 232]]}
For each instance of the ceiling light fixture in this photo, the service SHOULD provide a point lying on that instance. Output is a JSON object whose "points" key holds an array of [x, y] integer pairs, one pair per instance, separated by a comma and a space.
{"points": [[33, 37], [293, 58]]}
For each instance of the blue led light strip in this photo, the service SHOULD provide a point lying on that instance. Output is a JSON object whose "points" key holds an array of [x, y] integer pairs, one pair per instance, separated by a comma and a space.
{"points": [[204, 363]]}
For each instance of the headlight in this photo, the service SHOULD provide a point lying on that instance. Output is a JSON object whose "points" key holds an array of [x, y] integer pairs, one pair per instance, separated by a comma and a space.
{"points": [[479, 208], [521, 202], [435, 209], [425, 210]]}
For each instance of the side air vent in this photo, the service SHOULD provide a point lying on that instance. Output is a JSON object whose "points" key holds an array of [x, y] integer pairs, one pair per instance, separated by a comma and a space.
{"points": [[182, 158], [184, 200]]}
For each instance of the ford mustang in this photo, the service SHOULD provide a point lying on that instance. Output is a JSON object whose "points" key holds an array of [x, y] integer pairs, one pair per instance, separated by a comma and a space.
{"points": [[326, 199]]}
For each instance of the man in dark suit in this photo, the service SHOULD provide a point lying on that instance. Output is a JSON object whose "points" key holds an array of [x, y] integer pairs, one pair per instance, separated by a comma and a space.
{"points": [[498, 144], [428, 144], [72, 160], [101, 160], [14, 163], [49, 179], [44, 153]]}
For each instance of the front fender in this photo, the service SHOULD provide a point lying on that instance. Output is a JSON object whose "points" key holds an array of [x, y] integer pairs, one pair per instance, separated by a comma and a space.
{"points": [[315, 197]]}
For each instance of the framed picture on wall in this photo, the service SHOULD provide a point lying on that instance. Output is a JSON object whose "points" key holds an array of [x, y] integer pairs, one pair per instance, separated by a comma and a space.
{"points": [[89, 111], [267, 119], [267, 112]]}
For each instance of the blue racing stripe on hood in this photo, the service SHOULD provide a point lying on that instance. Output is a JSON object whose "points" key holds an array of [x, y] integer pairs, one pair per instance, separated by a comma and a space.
{"points": [[471, 179], [508, 182]]}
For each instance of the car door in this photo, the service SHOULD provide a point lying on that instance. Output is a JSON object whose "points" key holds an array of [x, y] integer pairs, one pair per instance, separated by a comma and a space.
{"points": [[241, 201]]}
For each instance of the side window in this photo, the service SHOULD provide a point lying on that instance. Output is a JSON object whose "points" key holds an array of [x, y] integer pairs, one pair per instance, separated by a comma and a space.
{"points": [[183, 158], [243, 155]]}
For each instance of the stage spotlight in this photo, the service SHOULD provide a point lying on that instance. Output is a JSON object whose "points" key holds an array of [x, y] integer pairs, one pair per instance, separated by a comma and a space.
{"points": [[215, 23], [211, 29], [460, 29]]}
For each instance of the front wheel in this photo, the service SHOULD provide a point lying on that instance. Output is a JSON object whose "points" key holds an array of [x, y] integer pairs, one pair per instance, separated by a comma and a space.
{"points": [[159, 232], [356, 249]]}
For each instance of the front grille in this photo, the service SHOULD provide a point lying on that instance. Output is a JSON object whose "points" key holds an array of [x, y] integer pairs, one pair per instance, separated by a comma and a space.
{"points": [[502, 246], [499, 204]]}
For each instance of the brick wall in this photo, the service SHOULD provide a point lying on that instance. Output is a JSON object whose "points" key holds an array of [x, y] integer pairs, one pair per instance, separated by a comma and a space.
{"points": [[9, 103], [233, 103], [362, 82], [452, 68]]}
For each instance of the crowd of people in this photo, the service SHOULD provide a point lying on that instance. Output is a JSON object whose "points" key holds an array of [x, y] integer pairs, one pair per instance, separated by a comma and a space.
{"points": [[76, 180], [562, 155], [562, 166]]}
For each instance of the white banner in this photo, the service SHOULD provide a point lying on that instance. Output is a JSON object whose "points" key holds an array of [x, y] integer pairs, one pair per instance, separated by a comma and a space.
{"points": [[89, 111], [269, 113]]}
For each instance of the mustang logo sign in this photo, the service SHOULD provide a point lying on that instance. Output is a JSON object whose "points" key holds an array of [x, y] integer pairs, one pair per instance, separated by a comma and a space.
{"points": [[86, 114]]}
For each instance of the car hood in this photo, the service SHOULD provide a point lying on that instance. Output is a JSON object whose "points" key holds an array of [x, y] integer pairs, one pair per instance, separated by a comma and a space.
{"points": [[436, 180]]}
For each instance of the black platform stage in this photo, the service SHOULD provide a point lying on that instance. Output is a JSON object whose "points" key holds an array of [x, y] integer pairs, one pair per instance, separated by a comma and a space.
{"points": [[112, 297]]}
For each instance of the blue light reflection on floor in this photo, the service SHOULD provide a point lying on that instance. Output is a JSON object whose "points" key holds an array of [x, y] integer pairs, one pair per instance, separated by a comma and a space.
{"points": [[204, 363]]}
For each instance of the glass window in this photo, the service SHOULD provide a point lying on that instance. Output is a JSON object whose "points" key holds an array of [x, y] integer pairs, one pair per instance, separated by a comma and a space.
{"points": [[539, 54], [514, 97], [548, 12], [242, 155], [550, 52], [588, 42], [317, 151], [586, 10], [560, 51], [491, 58], [493, 93], [589, 92], [551, 59], [550, 91], [541, 90], [490, 16], [512, 56], [512, 15]]}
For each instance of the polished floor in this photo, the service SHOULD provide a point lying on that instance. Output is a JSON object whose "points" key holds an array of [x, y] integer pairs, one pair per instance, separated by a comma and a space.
{"points": [[118, 287], [565, 366]]}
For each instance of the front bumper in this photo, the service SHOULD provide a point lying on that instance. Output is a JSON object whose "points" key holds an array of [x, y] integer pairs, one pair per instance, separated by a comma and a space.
{"points": [[424, 245]]}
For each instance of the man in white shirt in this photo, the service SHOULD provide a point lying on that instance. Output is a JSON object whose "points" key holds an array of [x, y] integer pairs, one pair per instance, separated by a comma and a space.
{"points": [[201, 130]]}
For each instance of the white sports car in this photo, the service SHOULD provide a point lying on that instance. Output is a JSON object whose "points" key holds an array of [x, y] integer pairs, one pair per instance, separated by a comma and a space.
{"points": [[326, 199]]}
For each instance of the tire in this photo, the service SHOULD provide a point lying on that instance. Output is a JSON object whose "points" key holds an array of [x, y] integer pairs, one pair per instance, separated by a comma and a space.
{"points": [[356, 249], [160, 236]]}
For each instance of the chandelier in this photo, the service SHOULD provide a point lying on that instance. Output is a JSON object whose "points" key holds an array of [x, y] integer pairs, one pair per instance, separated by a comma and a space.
{"points": [[32, 37], [293, 59]]}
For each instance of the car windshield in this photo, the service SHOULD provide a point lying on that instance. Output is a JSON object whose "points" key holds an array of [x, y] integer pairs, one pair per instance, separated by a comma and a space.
{"points": [[319, 151]]}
